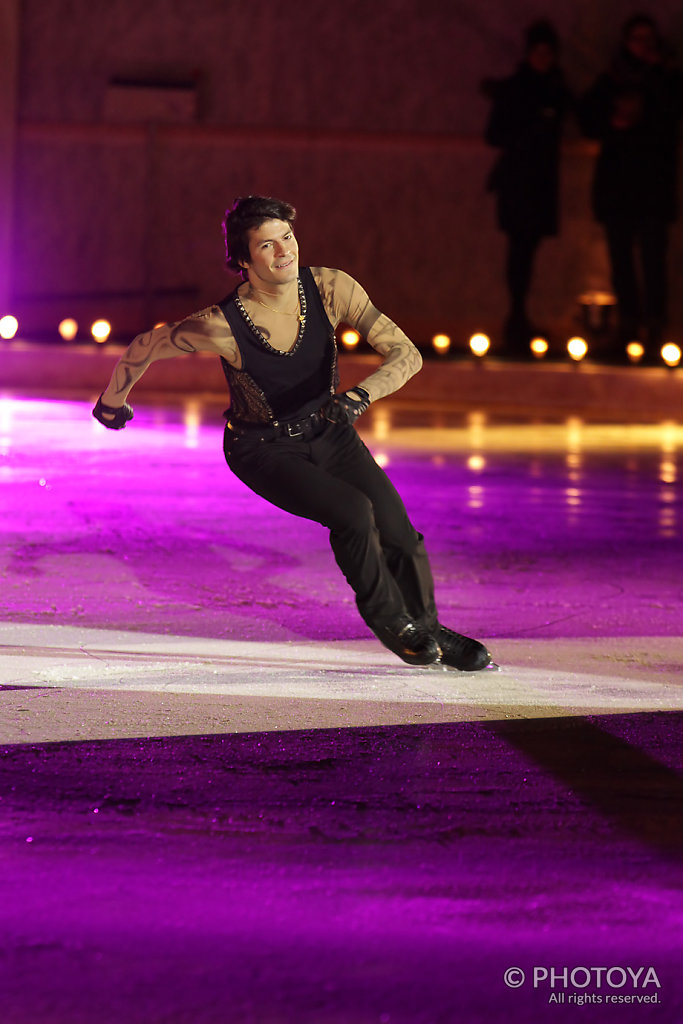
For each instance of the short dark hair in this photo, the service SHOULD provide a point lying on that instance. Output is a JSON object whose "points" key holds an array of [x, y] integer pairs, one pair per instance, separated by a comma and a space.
{"points": [[636, 21], [246, 213], [541, 33]]}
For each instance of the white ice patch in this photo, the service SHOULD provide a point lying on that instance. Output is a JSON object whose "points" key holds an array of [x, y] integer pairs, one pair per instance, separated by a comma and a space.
{"points": [[565, 675]]}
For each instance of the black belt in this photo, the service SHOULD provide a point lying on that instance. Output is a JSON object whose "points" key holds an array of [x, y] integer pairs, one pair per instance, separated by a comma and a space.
{"points": [[298, 430]]}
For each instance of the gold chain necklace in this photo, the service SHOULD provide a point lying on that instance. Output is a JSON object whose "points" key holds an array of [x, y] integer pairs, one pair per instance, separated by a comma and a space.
{"points": [[297, 312]]}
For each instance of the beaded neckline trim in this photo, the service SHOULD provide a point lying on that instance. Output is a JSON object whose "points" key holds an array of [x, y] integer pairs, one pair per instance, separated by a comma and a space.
{"points": [[264, 341]]}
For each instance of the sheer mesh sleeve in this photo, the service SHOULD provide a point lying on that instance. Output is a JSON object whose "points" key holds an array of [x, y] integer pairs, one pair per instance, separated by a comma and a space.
{"points": [[347, 302], [205, 331]]}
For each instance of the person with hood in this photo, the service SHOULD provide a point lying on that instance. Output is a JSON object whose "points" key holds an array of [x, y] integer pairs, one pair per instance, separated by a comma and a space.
{"points": [[633, 109], [525, 124]]}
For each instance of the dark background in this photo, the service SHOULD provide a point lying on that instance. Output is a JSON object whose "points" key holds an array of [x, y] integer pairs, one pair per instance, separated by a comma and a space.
{"points": [[128, 128]]}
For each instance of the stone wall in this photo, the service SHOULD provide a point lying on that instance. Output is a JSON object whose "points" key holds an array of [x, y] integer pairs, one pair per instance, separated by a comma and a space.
{"points": [[366, 115]]}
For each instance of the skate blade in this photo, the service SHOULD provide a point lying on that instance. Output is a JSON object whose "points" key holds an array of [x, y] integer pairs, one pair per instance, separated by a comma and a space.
{"points": [[440, 667]]}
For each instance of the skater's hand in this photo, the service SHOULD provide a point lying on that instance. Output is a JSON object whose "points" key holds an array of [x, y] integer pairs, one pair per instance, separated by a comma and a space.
{"points": [[113, 417], [347, 406]]}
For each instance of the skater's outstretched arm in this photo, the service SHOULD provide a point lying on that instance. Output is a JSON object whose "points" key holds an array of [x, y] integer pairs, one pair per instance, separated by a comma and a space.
{"points": [[347, 302], [205, 331]]}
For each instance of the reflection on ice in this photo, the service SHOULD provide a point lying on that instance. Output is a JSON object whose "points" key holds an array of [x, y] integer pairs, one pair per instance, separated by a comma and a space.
{"points": [[534, 528]]}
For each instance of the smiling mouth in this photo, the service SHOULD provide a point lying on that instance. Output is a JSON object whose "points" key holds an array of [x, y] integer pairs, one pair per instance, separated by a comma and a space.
{"points": [[283, 266]]}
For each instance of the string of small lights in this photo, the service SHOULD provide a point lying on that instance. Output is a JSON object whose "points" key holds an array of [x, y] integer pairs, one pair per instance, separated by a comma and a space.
{"points": [[577, 348]]}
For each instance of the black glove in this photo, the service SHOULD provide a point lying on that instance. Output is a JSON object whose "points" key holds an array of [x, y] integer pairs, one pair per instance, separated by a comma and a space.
{"points": [[345, 408], [119, 416]]}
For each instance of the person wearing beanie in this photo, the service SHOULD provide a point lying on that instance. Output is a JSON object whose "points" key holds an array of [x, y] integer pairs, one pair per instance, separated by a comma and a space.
{"points": [[633, 109], [525, 125]]}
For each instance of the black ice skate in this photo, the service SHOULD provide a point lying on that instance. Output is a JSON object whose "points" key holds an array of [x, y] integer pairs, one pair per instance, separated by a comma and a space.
{"points": [[462, 652], [411, 641]]}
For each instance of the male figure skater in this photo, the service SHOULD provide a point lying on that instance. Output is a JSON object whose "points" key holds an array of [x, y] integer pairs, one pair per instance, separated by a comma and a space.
{"points": [[290, 435]]}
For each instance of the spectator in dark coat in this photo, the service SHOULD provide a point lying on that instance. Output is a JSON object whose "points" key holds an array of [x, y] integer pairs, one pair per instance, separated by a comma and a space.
{"points": [[633, 109], [525, 123]]}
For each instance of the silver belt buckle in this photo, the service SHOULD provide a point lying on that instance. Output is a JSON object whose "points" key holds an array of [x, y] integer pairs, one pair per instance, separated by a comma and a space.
{"points": [[293, 433]]}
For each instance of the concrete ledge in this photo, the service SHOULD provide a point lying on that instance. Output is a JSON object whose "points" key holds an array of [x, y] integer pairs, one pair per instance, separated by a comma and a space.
{"points": [[605, 391]]}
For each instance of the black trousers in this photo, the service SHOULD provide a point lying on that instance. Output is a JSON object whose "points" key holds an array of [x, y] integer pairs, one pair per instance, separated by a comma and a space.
{"points": [[644, 301], [334, 480], [519, 268]]}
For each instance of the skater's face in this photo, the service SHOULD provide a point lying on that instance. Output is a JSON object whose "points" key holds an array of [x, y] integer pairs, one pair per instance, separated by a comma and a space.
{"points": [[274, 254]]}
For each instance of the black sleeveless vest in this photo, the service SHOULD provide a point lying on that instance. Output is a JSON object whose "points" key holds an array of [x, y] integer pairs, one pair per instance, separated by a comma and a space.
{"points": [[272, 386]]}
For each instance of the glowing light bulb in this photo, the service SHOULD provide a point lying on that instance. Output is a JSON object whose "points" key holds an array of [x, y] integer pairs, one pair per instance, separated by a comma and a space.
{"points": [[480, 344], [68, 329], [441, 343], [635, 351], [350, 338], [577, 348], [539, 347], [9, 325], [671, 354], [100, 330]]}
